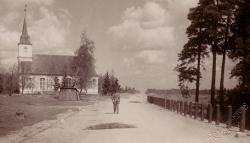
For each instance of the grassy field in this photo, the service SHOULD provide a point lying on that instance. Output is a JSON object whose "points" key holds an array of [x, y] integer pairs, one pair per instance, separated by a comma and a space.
{"points": [[36, 108]]}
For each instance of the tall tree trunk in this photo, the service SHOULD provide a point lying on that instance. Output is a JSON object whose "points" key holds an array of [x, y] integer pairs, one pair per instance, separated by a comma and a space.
{"points": [[198, 75], [214, 48], [222, 80], [223, 67], [213, 77]]}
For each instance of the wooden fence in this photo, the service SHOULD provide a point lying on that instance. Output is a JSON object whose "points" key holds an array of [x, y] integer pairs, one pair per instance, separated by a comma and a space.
{"points": [[200, 111]]}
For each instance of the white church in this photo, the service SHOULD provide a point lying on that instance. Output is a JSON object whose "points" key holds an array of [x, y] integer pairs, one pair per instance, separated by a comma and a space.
{"points": [[43, 68]]}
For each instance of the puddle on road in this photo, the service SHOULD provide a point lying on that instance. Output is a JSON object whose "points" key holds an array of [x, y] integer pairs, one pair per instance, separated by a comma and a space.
{"points": [[110, 126]]}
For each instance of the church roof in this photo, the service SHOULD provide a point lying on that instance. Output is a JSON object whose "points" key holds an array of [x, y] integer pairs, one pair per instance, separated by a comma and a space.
{"points": [[51, 64], [25, 38]]}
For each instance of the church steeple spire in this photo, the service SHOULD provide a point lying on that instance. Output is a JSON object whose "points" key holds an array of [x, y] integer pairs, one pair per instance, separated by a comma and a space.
{"points": [[25, 38]]}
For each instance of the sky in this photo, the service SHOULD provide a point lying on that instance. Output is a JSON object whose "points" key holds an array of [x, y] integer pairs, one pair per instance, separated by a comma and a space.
{"points": [[138, 39]]}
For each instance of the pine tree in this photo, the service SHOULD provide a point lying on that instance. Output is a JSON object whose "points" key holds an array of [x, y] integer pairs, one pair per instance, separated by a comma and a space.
{"points": [[106, 84], [194, 50], [227, 8], [117, 86], [215, 34], [100, 83], [241, 51]]}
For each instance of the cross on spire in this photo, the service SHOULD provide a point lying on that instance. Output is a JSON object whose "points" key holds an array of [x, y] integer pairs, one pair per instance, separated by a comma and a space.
{"points": [[25, 9]]}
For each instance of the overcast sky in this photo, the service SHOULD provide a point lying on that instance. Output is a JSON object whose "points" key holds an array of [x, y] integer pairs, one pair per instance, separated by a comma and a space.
{"points": [[138, 39]]}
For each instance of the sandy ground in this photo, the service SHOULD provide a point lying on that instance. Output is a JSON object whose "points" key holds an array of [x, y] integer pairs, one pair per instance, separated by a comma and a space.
{"points": [[153, 125]]}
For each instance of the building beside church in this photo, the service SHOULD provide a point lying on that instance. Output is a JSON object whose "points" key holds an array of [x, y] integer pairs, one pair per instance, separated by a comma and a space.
{"points": [[39, 73]]}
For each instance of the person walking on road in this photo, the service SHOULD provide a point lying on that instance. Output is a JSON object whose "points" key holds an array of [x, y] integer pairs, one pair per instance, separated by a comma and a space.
{"points": [[116, 100]]}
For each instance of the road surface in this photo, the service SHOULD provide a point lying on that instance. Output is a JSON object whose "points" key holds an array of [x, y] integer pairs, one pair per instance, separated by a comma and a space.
{"points": [[152, 125]]}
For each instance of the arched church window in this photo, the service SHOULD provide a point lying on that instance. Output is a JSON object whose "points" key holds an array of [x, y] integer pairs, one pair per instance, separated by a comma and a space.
{"points": [[25, 49]]}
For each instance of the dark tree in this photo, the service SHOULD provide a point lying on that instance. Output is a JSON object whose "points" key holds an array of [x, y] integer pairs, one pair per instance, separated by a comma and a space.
{"points": [[227, 8], [241, 51], [215, 34], [115, 86], [193, 52], [11, 81], [106, 84]]}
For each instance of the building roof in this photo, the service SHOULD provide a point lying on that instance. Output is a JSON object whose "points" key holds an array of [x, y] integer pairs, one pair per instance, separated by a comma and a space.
{"points": [[25, 38], [52, 64]]}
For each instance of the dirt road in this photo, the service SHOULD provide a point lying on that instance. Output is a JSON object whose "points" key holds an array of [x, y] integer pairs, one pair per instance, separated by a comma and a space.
{"points": [[152, 125]]}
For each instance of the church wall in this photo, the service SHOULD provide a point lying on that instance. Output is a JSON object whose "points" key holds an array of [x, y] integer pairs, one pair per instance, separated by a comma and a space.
{"points": [[49, 84], [36, 84]]}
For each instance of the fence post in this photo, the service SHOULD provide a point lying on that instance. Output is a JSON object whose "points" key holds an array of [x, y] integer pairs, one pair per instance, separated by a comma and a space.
{"points": [[242, 119], [190, 109], [185, 108], [181, 108], [229, 116], [172, 104], [169, 104], [166, 103], [196, 110], [178, 106], [217, 114], [202, 112], [210, 112]]}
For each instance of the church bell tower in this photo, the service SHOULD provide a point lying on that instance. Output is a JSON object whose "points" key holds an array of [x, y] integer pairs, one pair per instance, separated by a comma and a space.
{"points": [[24, 46]]}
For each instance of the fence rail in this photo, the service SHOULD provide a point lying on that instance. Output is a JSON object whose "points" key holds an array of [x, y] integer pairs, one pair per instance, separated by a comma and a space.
{"points": [[199, 111]]}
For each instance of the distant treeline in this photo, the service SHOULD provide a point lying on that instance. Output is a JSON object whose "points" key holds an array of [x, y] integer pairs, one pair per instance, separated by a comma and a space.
{"points": [[128, 89], [174, 91]]}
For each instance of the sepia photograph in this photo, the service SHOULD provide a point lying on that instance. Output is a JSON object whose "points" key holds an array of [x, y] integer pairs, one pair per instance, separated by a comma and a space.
{"points": [[124, 71]]}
